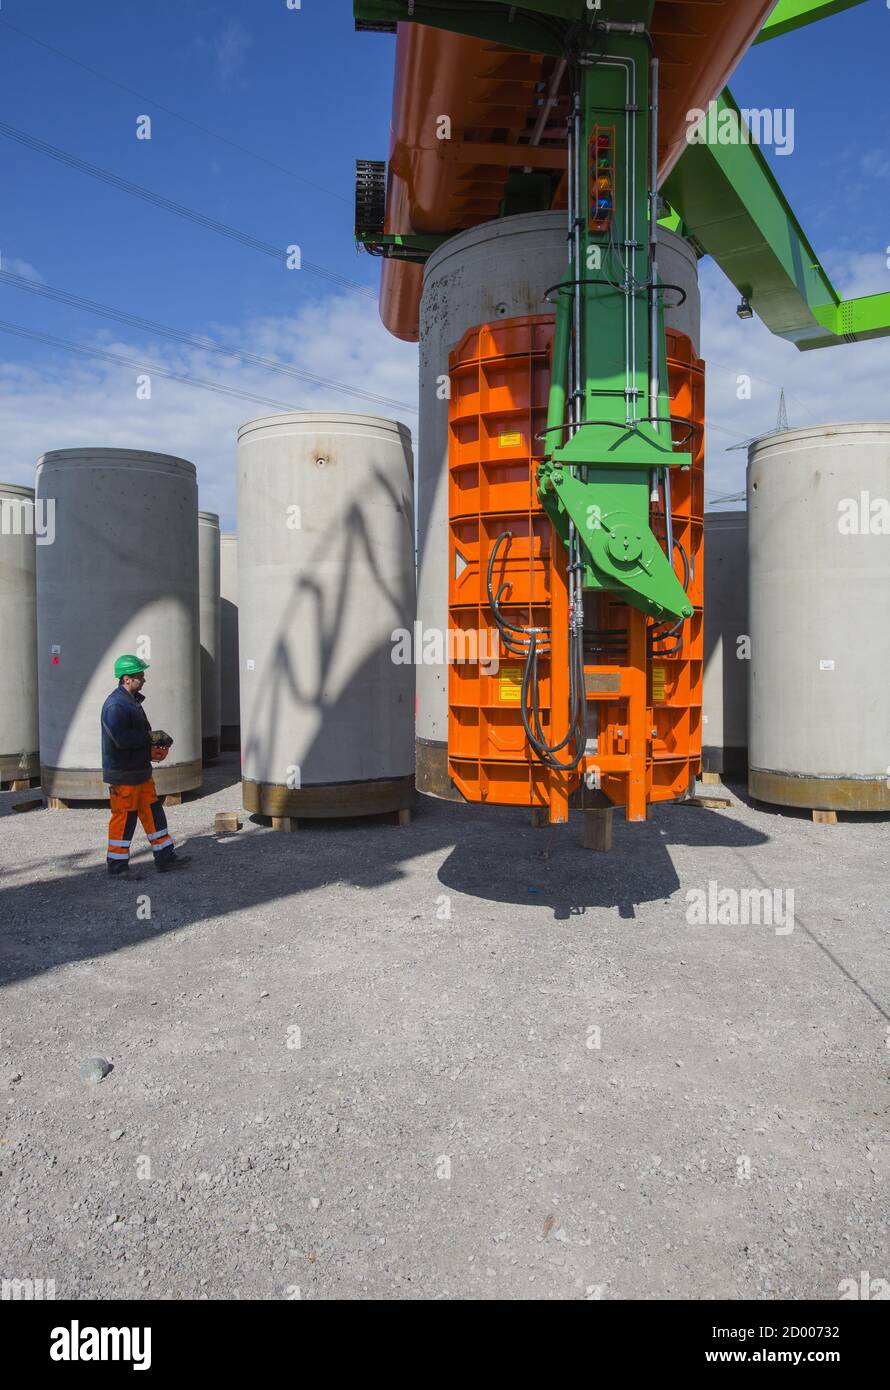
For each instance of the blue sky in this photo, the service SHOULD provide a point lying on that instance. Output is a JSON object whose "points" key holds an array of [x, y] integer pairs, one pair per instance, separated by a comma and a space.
{"points": [[304, 91]]}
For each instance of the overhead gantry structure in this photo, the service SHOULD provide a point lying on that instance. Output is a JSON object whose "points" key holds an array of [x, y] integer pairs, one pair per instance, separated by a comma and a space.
{"points": [[593, 106], [503, 85]]}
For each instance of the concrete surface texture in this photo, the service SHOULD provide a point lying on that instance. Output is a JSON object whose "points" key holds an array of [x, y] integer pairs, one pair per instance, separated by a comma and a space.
{"points": [[210, 629], [325, 580], [459, 1059], [727, 643], [18, 631], [230, 709], [819, 670], [120, 576]]}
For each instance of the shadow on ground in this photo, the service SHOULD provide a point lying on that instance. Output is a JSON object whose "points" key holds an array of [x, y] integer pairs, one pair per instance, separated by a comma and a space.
{"points": [[74, 912]]}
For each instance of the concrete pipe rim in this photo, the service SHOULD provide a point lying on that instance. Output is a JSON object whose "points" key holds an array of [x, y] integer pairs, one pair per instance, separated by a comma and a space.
{"points": [[338, 423], [102, 457]]}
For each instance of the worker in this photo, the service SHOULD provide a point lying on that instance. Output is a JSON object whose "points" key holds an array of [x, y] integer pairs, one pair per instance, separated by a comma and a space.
{"points": [[129, 749]]}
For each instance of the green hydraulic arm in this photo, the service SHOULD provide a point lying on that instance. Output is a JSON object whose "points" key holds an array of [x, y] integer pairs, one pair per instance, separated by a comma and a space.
{"points": [[601, 457]]}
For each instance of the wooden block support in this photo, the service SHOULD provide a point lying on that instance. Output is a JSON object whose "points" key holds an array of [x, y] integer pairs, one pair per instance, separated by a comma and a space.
{"points": [[405, 815], [825, 817], [227, 821], [286, 824], [540, 817], [711, 803], [173, 799], [55, 803], [598, 828], [711, 779], [35, 804]]}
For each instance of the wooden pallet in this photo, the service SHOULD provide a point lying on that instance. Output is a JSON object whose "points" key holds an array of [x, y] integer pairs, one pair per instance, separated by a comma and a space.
{"points": [[288, 825]]}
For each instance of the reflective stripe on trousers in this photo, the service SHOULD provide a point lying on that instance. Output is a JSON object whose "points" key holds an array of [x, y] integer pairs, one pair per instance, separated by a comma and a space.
{"points": [[132, 804]]}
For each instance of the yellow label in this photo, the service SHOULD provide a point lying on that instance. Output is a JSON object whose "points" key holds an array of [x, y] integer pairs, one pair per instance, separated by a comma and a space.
{"points": [[510, 681], [509, 441], [659, 676]]}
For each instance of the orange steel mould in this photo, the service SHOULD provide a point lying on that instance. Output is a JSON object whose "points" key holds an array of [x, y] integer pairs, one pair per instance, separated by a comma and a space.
{"points": [[644, 693], [493, 97]]}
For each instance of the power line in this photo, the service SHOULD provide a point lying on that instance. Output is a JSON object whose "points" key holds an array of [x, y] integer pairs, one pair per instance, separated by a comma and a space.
{"points": [[74, 301], [187, 120], [136, 190], [733, 371], [20, 331]]}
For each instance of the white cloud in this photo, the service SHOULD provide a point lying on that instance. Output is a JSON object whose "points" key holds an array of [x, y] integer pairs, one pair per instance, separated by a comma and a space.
{"points": [[65, 402], [68, 402], [228, 48], [875, 164], [23, 268]]}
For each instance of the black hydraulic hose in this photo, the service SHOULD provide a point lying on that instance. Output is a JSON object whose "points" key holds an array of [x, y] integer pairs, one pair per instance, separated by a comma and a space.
{"points": [[536, 737], [661, 635], [529, 650], [505, 628]]}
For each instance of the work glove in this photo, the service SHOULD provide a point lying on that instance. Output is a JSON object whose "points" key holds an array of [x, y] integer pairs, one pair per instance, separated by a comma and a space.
{"points": [[159, 739], [158, 752]]}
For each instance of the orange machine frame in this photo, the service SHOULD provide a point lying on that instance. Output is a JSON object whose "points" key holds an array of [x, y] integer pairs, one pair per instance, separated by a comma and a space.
{"points": [[648, 693]]}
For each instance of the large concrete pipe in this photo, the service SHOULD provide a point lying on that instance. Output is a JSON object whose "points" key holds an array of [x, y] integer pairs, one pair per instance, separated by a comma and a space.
{"points": [[230, 711], [819, 555], [727, 644], [326, 603], [120, 576], [19, 759], [209, 611]]}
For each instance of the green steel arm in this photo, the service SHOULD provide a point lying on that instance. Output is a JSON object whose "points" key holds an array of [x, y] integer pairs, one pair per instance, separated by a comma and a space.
{"points": [[794, 14], [732, 205]]}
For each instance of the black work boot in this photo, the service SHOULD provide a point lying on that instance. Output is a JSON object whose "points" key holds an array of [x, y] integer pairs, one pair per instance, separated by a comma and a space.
{"points": [[166, 863], [124, 875]]}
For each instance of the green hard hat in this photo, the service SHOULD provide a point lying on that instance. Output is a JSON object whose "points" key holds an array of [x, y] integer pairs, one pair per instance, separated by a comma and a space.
{"points": [[129, 666]]}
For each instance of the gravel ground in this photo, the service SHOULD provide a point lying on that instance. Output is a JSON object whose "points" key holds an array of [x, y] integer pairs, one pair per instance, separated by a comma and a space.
{"points": [[461, 1059]]}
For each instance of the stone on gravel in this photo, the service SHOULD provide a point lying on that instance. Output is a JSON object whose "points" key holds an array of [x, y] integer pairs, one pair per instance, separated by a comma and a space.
{"points": [[94, 1070]]}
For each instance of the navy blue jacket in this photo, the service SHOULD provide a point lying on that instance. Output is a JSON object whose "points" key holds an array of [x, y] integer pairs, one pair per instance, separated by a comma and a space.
{"points": [[126, 742]]}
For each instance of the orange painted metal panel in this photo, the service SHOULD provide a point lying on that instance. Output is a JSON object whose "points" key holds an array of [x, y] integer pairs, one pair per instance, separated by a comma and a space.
{"points": [[676, 679], [644, 707]]}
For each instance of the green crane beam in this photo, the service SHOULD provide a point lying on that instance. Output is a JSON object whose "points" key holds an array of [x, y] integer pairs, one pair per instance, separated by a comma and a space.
{"points": [[794, 14], [732, 206]]}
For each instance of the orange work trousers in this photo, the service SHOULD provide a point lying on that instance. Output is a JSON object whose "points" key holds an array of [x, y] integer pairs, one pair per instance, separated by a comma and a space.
{"points": [[129, 804]]}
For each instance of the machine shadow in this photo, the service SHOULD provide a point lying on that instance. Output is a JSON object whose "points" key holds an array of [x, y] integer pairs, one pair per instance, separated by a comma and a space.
{"points": [[503, 859]]}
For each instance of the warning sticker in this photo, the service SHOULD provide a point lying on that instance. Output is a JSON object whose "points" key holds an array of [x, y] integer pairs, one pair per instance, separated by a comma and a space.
{"points": [[659, 676], [510, 683], [509, 441]]}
